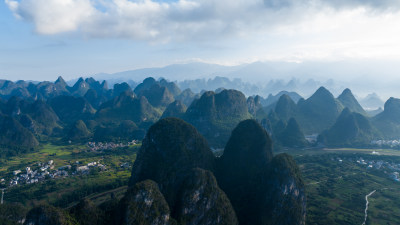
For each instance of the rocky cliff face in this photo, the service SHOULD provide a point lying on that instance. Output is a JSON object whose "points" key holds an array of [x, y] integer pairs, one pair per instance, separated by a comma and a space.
{"points": [[144, 204], [173, 179], [171, 155], [202, 202], [285, 200], [169, 151], [254, 106]]}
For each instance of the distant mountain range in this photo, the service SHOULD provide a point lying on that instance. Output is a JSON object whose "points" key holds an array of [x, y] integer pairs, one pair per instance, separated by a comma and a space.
{"points": [[176, 177], [90, 110], [205, 76], [265, 78]]}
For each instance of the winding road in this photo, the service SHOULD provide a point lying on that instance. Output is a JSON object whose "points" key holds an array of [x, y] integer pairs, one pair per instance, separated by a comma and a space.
{"points": [[366, 206]]}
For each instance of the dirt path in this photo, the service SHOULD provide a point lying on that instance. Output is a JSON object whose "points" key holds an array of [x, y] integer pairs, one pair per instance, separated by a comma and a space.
{"points": [[366, 206]]}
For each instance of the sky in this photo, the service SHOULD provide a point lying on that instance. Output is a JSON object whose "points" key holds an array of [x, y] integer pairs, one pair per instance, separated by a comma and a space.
{"points": [[42, 39]]}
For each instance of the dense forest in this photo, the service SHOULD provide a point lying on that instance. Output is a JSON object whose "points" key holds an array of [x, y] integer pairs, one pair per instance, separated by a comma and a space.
{"points": [[182, 134]]}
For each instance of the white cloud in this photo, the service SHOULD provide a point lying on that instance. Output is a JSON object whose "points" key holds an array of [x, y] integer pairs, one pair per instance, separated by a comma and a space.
{"points": [[53, 16], [178, 20], [281, 29]]}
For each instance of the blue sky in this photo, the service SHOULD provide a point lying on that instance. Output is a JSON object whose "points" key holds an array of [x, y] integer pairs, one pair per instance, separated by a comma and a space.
{"points": [[42, 39], [25, 54]]}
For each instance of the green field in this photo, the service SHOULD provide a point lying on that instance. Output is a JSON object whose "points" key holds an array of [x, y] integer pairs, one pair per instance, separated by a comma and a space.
{"points": [[64, 192], [336, 190]]}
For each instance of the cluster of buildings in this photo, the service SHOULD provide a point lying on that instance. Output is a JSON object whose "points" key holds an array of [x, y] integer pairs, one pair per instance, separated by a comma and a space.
{"points": [[388, 143], [379, 164], [390, 168], [100, 146], [85, 169], [30, 176], [48, 171]]}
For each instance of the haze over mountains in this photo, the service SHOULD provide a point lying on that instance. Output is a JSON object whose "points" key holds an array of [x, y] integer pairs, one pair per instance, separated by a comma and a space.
{"points": [[90, 109], [263, 78], [198, 112], [183, 132], [275, 76]]}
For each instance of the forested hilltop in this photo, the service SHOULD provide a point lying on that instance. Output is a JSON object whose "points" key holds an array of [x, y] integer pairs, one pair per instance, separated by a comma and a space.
{"points": [[176, 179], [91, 111], [196, 157]]}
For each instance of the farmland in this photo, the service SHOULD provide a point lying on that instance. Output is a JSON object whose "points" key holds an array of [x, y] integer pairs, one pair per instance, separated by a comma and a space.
{"points": [[68, 190], [337, 181]]}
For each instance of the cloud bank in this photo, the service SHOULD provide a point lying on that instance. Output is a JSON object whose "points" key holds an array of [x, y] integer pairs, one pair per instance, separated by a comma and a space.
{"points": [[182, 20]]}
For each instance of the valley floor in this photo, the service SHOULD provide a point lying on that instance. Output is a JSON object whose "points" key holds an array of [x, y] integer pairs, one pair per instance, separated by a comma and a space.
{"points": [[337, 181], [90, 181]]}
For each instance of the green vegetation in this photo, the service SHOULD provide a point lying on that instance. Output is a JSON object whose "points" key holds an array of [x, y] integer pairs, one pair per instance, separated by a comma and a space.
{"points": [[292, 136], [285, 108], [78, 132], [247, 187], [61, 155], [170, 150], [136, 209], [14, 137], [388, 122], [216, 115], [336, 189], [67, 191], [70, 109], [318, 112], [349, 101], [128, 107], [175, 109], [187, 97], [350, 129], [11, 213], [247, 183], [203, 183], [247, 170], [47, 215], [158, 96], [126, 131]]}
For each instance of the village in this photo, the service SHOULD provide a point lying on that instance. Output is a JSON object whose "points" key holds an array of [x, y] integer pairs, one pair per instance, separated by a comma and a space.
{"points": [[391, 169], [42, 171], [101, 146], [386, 143], [47, 170]]}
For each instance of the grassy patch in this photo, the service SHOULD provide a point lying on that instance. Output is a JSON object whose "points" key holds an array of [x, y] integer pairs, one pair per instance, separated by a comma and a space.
{"points": [[64, 192], [336, 185]]}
